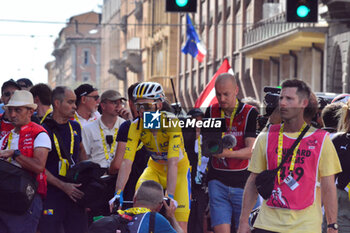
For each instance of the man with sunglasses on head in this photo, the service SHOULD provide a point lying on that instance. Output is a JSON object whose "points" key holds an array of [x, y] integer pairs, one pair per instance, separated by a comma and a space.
{"points": [[87, 104], [8, 88], [168, 164]]}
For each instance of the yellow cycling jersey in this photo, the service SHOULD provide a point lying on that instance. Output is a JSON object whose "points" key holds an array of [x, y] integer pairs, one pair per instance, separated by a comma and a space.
{"points": [[166, 142]]}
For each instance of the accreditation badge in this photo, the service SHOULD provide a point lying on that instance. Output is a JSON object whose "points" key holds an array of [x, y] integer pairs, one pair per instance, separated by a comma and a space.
{"points": [[291, 182]]}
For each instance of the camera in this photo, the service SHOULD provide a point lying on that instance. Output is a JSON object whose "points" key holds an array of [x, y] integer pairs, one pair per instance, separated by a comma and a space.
{"points": [[163, 210], [212, 139], [271, 99]]}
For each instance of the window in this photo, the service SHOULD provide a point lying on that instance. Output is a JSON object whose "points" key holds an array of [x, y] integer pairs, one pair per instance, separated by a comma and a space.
{"points": [[86, 57], [86, 77]]}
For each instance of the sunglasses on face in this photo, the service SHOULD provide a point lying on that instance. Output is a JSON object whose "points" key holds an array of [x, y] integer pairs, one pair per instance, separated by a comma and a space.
{"points": [[8, 93], [96, 97], [145, 106]]}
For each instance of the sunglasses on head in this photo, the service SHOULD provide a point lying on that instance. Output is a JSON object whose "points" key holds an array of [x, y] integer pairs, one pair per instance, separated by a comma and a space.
{"points": [[144, 106], [96, 97]]}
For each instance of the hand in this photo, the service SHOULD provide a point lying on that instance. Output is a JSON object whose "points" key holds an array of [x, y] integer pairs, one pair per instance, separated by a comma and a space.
{"points": [[243, 228], [225, 154], [72, 191], [6, 153], [170, 209], [116, 202], [125, 113]]}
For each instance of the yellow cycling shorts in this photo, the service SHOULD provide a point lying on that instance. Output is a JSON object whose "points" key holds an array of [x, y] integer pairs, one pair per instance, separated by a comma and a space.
{"points": [[182, 191]]}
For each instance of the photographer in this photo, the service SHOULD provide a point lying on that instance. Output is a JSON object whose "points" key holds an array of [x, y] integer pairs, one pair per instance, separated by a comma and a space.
{"points": [[228, 173]]}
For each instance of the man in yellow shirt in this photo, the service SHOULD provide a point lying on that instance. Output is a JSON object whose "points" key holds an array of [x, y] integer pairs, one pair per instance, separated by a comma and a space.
{"points": [[293, 206], [168, 164]]}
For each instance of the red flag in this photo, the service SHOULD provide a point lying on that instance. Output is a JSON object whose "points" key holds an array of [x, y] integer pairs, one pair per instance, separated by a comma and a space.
{"points": [[208, 97]]}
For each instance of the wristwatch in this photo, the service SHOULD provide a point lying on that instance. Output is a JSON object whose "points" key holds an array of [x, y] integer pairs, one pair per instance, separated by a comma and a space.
{"points": [[16, 153], [333, 225]]}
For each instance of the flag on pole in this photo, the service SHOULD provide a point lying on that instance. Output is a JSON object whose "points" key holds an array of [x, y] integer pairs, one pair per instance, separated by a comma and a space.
{"points": [[208, 97], [193, 44]]}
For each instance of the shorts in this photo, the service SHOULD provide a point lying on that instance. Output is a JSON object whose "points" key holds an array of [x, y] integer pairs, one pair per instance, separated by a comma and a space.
{"points": [[225, 202], [182, 191]]}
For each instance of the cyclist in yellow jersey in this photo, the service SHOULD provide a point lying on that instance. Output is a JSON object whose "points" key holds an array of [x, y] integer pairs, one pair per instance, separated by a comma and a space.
{"points": [[168, 164]]}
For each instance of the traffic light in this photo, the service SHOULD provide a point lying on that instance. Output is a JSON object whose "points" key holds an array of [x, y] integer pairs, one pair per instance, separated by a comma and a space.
{"points": [[181, 5], [302, 11]]}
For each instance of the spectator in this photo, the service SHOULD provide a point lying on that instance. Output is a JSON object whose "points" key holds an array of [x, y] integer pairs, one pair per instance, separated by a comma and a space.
{"points": [[60, 208], [87, 104], [341, 142], [228, 172], [42, 97], [293, 208], [330, 117], [251, 101], [100, 147], [148, 198], [27, 146], [8, 88], [25, 83]]}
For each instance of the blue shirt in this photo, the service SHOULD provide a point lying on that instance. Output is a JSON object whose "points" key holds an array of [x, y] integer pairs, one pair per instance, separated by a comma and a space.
{"points": [[140, 224]]}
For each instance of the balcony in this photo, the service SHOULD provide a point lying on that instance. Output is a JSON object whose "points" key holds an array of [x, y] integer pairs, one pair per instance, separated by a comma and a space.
{"points": [[273, 36]]}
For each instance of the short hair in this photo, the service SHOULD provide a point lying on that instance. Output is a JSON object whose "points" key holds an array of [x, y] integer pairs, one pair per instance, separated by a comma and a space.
{"points": [[150, 193], [344, 122], [58, 94], [26, 81], [312, 107], [330, 114], [131, 90], [226, 76], [251, 101], [9, 83], [303, 90], [43, 92]]}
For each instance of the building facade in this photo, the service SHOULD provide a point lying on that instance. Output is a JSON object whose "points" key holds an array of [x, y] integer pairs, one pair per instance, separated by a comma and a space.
{"points": [[77, 52]]}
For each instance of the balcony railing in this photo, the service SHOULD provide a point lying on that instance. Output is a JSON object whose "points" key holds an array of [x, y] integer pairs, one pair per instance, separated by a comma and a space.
{"points": [[269, 28]]}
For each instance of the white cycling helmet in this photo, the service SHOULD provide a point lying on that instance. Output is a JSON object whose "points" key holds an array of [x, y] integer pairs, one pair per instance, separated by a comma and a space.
{"points": [[148, 90]]}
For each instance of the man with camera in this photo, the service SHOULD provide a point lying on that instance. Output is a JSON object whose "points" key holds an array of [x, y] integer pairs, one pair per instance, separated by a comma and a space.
{"points": [[228, 173], [147, 202], [304, 171], [26, 146]]}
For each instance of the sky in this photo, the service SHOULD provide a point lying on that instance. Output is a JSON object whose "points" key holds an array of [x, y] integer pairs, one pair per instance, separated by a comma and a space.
{"points": [[25, 47]]}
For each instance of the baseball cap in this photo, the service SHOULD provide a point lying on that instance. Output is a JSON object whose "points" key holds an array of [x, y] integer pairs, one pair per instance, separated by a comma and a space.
{"points": [[83, 90], [111, 95]]}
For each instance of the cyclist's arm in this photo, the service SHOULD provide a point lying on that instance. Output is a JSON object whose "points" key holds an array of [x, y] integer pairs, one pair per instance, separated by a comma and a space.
{"points": [[172, 175], [175, 146], [123, 174]]}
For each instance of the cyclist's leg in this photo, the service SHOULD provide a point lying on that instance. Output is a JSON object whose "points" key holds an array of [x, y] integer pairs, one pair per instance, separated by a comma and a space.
{"points": [[182, 196], [148, 174]]}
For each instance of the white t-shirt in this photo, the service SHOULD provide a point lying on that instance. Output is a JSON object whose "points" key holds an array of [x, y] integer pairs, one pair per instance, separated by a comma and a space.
{"points": [[41, 140], [93, 144], [83, 122]]}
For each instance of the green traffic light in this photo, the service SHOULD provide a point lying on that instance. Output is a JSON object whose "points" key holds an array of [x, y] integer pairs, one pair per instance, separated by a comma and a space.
{"points": [[303, 11], [181, 3]]}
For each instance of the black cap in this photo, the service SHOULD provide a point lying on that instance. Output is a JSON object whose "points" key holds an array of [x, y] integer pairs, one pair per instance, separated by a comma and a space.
{"points": [[195, 112], [83, 90], [24, 82], [10, 83]]}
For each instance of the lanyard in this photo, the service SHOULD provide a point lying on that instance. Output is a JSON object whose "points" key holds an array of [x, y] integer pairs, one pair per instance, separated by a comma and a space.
{"points": [[280, 148], [135, 210], [231, 117], [57, 145], [46, 114], [77, 120], [9, 144], [199, 151], [105, 144]]}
